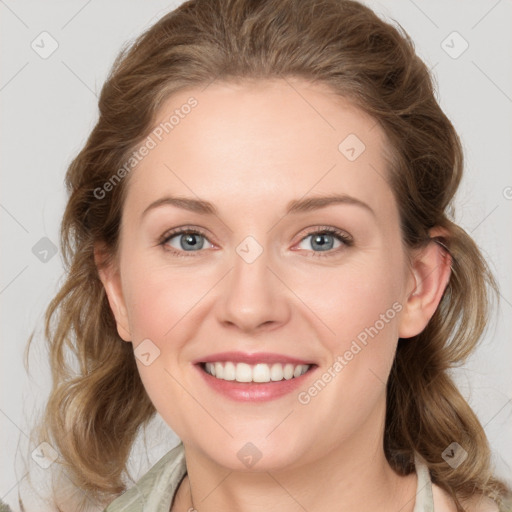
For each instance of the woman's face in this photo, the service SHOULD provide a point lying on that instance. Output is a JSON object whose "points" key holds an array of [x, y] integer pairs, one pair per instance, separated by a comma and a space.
{"points": [[276, 162]]}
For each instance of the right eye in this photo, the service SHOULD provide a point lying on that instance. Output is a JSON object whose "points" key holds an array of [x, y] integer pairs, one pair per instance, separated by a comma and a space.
{"points": [[184, 240]]}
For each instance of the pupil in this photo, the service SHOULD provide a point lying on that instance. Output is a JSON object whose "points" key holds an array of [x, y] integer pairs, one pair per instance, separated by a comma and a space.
{"points": [[322, 244], [190, 240]]}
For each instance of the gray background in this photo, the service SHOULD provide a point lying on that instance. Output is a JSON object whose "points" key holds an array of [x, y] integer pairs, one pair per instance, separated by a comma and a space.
{"points": [[49, 105]]}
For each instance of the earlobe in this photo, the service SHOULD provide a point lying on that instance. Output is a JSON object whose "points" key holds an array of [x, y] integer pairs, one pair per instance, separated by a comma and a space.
{"points": [[431, 270], [110, 278]]}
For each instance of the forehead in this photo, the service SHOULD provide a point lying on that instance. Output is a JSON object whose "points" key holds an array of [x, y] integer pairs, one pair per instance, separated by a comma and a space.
{"points": [[264, 142]]}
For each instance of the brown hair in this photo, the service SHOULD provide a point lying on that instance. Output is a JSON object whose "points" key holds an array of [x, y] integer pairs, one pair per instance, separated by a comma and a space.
{"points": [[98, 403]]}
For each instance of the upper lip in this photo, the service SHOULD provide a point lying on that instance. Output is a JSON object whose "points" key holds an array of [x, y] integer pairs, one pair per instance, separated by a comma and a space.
{"points": [[253, 358]]}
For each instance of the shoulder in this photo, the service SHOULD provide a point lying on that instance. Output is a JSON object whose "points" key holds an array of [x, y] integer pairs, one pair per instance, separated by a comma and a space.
{"points": [[4, 507], [155, 490], [478, 503]]}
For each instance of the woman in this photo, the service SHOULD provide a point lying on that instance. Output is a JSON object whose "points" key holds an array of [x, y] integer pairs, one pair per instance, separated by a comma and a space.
{"points": [[260, 250]]}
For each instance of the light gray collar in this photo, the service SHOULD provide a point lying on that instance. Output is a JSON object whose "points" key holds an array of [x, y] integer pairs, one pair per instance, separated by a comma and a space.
{"points": [[424, 497]]}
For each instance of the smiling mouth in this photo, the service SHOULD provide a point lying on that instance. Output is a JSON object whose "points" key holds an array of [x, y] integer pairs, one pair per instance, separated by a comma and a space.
{"points": [[257, 373]]}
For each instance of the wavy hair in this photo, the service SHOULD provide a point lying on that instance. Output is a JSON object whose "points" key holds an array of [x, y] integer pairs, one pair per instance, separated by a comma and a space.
{"points": [[97, 402]]}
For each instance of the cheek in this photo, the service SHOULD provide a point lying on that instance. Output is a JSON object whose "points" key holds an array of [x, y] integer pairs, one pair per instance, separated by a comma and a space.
{"points": [[159, 298], [160, 302], [362, 306], [355, 297]]}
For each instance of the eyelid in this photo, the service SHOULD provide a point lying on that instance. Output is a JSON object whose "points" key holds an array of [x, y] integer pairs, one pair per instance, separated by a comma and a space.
{"points": [[181, 230], [346, 240], [331, 230]]}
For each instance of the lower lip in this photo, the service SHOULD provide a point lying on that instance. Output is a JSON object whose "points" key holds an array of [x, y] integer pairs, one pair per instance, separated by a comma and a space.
{"points": [[254, 391]]}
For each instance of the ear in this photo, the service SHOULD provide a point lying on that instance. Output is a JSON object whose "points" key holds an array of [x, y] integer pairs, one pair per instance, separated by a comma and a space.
{"points": [[431, 270], [110, 277]]}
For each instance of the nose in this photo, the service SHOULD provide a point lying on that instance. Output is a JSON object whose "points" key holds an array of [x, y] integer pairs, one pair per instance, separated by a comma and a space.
{"points": [[253, 298]]}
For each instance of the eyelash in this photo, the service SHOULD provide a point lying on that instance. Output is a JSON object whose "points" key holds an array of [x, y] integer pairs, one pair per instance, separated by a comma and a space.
{"points": [[343, 237]]}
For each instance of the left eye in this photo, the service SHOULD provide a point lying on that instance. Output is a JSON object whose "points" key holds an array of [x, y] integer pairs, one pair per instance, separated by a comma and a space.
{"points": [[324, 241]]}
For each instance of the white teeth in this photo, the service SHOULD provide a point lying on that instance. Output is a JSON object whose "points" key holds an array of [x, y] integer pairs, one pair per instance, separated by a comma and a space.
{"points": [[210, 368], [229, 371], [288, 371], [243, 372], [219, 371], [261, 372]]}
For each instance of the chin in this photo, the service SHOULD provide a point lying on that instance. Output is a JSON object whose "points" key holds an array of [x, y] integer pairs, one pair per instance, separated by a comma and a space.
{"points": [[255, 454]]}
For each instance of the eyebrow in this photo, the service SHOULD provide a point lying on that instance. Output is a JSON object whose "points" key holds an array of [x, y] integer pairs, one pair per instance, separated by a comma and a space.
{"points": [[295, 206], [315, 203]]}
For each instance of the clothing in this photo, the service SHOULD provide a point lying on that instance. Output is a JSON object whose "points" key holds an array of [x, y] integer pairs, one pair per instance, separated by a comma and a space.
{"points": [[4, 507], [155, 491]]}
